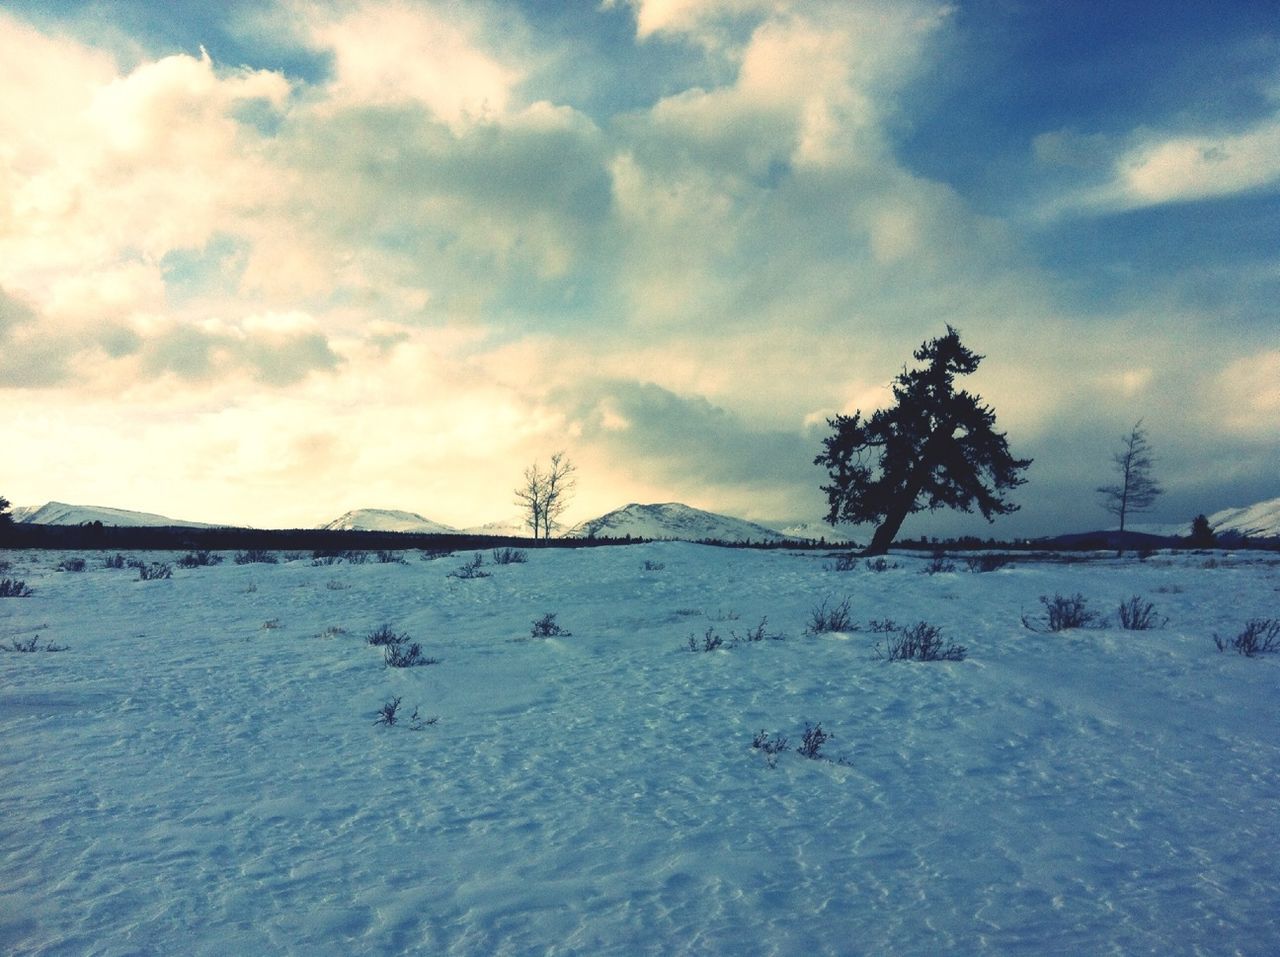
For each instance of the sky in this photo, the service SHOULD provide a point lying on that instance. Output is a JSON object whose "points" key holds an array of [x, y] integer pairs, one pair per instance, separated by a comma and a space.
{"points": [[266, 261]]}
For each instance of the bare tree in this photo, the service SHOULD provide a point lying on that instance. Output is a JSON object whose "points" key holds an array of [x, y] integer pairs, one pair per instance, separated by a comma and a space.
{"points": [[1136, 489], [532, 498], [544, 495], [558, 487]]}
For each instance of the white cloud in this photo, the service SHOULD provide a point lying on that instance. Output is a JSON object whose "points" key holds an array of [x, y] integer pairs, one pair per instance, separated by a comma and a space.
{"points": [[1200, 167], [387, 53], [687, 16], [1154, 169], [1247, 396]]}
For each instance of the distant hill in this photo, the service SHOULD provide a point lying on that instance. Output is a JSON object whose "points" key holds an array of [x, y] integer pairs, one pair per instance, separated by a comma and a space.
{"points": [[673, 521], [1260, 522], [386, 520], [60, 513], [816, 532], [515, 527]]}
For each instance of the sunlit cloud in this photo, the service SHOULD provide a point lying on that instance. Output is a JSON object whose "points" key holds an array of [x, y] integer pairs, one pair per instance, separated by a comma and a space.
{"points": [[403, 275]]}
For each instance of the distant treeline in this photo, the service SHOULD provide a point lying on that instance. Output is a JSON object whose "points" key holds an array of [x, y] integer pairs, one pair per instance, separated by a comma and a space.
{"points": [[95, 535]]}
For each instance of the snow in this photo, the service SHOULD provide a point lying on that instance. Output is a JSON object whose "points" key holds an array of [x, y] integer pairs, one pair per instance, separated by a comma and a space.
{"points": [[386, 520], [1260, 520], [60, 513], [200, 772], [673, 521], [517, 526]]}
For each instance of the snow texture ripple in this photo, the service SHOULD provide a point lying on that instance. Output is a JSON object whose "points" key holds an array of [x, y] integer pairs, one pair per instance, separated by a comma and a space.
{"points": [[200, 772]]}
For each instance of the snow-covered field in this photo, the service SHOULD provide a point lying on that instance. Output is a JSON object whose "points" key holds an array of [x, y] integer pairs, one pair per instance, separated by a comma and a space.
{"points": [[200, 772]]}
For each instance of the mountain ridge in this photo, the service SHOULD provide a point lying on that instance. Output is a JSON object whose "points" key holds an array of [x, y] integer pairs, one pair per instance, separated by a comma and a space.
{"points": [[673, 521]]}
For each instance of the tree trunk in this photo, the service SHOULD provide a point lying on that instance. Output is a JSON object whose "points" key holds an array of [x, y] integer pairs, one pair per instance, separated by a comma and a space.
{"points": [[888, 529], [885, 534]]}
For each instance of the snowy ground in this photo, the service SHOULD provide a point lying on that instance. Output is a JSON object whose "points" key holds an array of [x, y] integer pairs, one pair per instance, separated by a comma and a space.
{"points": [[200, 771]]}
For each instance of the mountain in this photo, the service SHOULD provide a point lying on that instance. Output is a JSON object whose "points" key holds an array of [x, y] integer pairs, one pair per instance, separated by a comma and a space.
{"points": [[1260, 520], [816, 532], [60, 513], [386, 520], [517, 526], [673, 521]]}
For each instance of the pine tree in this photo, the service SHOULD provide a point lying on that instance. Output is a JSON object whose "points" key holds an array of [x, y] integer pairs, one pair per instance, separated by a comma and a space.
{"points": [[1202, 535], [934, 448], [1136, 489]]}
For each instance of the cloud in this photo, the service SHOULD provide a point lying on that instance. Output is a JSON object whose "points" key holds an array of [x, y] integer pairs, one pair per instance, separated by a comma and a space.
{"points": [[705, 453], [687, 16], [1248, 393], [454, 274], [1150, 168], [275, 351], [387, 53]]}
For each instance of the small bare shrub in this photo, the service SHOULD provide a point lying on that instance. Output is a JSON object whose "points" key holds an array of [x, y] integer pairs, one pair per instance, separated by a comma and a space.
{"points": [[825, 619], [846, 563], [334, 585], [271, 624], [985, 563], [1261, 636], [1138, 615], [13, 588], [115, 561], [938, 565], [509, 556], [880, 565], [406, 655], [471, 569], [772, 747], [71, 565], [1062, 613], [812, 741], [387, 714], [652, 566], [199, 559], [31, 645], [258, 556], [333, 631], [711, 640], [921, 642], [156, 571], [385, 557], [881, 625], [418, 722], [752, 635], [385, 635], [547, 627]]}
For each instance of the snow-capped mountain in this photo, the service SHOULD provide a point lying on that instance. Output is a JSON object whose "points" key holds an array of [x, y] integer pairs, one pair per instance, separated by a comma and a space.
{"points": [[673, 521], [816, 532], [386, 520], [1260, 520], [517, 526], [60, 513]]}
